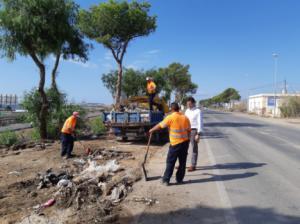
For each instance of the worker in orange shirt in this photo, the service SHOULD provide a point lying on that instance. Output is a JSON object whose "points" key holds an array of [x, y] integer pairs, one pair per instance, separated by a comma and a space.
{"points": [[67, 135], [151, 90], [179, 134]]}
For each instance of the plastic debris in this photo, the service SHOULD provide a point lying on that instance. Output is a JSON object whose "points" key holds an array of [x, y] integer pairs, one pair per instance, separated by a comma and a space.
{"points": [[102, 186], [17, 173], [39, 208], [94, 170], [36, 207], [49, 203], [147, 201], [51, 179], [79, 161], [112, 166], [98, 157], [64, 183], [118, 193]]}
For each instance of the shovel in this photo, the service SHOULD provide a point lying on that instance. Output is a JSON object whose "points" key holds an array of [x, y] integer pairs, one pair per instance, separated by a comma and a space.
{"points": [[145, 158]]}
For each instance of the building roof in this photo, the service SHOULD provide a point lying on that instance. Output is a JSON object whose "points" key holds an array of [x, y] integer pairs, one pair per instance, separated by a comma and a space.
{"points": [[272, 94]]}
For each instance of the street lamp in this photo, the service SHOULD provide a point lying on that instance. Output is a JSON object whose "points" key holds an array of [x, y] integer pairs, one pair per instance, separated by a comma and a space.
{"points": [[275, 57]]}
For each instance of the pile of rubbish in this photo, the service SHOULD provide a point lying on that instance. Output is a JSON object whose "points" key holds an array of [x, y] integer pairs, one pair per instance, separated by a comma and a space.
{"points": [[98, 182]]}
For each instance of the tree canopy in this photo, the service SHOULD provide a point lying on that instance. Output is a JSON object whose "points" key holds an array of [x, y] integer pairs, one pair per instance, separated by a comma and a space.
{"points": [[172, 80], [39, 28], [179, 81], [133, 82], [225, 97], [114, 24]]}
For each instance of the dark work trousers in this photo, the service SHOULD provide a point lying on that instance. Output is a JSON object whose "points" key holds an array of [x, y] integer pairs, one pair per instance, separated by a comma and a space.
{"points": [[194, 147], [151, 101], [67, 143], [179, 151]]}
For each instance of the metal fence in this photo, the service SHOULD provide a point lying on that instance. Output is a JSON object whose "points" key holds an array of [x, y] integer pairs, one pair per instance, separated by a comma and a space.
{"points": [[8, 101]]}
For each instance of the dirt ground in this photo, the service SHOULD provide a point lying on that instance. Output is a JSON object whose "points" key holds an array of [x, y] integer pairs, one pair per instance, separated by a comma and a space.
{"points": [[18, 182]]}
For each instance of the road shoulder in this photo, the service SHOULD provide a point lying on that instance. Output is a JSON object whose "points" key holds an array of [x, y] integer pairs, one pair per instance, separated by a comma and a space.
{"points": [[196, 201]]}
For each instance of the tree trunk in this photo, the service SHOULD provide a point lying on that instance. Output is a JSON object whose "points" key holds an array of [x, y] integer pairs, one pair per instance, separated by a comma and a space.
{"points": [[119, 85], [119, 60], [54, 73], [44, 108]]}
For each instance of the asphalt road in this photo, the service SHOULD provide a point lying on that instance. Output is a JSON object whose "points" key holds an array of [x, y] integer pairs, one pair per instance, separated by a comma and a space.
{"points": [[257, 164]]}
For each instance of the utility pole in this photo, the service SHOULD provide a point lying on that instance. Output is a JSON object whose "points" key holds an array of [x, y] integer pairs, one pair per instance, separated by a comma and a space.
{"points": [[285, 87], [275, 57]]}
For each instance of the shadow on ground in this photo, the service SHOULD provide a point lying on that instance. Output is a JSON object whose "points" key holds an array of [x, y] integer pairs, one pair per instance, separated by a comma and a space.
{"points": [[221, 177], [232, 166], [211, 178], [232, 124], [209, 215], [212, 135], [143, 142]]}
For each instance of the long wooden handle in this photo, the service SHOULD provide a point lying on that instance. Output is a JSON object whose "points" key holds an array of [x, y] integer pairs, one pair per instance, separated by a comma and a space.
{"points": [[148, 146]]}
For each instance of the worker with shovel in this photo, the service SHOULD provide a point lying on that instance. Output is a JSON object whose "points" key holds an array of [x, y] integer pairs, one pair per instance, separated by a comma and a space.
{"points": [[68, 134], [179, 134]]}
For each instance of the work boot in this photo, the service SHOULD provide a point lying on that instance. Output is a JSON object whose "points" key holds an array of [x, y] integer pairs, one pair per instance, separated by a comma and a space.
{"points": [[70, 156], [165, 183], [191, 169], [179, 182]]}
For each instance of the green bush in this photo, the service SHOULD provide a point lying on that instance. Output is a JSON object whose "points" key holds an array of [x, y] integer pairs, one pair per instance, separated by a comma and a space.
{"points": [[291, 107], [97, 127], [22, 118], [8, 138], [59, 110], [35, 135]]}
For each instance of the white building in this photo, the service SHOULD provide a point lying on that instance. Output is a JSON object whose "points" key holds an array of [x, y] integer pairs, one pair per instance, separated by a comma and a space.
{"points": [[264, 104]]}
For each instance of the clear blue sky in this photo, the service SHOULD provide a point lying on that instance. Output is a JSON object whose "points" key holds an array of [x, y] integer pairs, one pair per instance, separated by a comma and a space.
{"points": [[226, 43]]}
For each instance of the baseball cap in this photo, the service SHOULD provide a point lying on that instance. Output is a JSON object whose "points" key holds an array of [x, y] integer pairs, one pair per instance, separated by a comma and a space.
{"points": [[76, 114]]}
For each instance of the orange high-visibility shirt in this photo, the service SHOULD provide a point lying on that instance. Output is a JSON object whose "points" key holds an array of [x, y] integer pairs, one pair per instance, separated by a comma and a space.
{"points": [[179, 127], [69, 125], [151, 87]]}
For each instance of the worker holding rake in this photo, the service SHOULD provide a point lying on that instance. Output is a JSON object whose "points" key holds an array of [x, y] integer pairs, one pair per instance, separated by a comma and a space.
{"points": [[68, 134]]}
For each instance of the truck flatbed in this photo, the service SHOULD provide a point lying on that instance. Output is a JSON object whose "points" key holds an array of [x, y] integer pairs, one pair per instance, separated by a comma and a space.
{"points": [[134, 124]]}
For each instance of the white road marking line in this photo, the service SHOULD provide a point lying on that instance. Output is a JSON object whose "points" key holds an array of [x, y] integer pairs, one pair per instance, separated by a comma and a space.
{"points": [[230, 216], [280, 139], [223, 156]]}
